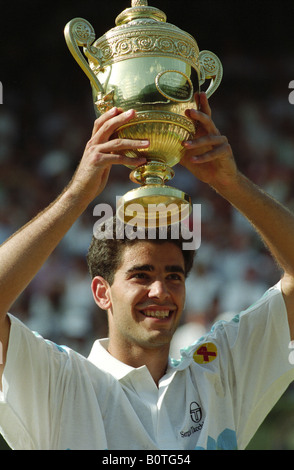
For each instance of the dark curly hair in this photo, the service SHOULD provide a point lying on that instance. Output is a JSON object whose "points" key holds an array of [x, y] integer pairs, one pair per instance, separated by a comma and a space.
{"points": [[108, 243]]}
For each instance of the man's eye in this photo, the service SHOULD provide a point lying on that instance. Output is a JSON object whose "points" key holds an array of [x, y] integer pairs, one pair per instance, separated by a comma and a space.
{"points": [[175, 277], [140, 276]]}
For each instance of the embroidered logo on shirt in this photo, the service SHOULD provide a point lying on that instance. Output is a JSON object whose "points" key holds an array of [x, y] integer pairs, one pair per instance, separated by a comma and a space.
{"points": [[195, 412], [207, 352]]}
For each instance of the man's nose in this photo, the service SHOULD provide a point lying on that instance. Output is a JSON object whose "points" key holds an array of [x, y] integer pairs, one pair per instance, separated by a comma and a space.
{"points": [[159, 290]]}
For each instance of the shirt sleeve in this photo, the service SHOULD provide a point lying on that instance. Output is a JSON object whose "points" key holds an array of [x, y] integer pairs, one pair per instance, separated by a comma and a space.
{"points": [[256, 365], [40, 383]]}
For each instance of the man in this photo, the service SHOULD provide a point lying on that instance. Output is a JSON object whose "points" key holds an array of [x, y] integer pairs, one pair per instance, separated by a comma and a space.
{"points": [[129, 394]]}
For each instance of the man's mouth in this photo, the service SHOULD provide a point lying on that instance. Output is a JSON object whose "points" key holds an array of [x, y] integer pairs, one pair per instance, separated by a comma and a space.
{"points": [[161, 314]]}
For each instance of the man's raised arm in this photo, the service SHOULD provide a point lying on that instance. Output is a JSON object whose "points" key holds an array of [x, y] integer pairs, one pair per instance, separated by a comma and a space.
{"points": [[209, 157], [23, 254]]}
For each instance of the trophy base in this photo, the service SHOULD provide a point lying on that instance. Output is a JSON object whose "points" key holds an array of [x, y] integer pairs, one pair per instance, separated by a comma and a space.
{"points": [[154, 205]]}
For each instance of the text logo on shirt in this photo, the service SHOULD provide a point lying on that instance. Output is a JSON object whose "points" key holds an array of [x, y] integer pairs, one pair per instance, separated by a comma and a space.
{"points": [[196, 416]]}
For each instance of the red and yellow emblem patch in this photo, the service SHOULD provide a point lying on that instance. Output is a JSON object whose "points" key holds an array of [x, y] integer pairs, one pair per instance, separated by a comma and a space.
{"points": [[207, 352]]}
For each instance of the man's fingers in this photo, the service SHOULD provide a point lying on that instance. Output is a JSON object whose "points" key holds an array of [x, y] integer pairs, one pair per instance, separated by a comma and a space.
{"points": [[204, 120], [203, 103], [118, 145], [103, 118], [123, 160], [108, 123], [111, 152], [108, 160], [208, 140], [220, 152]]}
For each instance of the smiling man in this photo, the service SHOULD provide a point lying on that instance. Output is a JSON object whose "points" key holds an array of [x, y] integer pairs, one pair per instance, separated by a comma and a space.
{"points": [[144, 303], [129, 394]]}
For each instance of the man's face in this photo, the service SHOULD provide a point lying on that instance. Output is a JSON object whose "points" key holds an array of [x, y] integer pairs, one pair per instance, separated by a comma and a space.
{"points": [[147, 296]]}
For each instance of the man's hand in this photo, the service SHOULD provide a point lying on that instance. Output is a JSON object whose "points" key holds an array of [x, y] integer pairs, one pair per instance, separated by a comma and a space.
{"points": [[102, 152], [23, 254], [208, 156]]}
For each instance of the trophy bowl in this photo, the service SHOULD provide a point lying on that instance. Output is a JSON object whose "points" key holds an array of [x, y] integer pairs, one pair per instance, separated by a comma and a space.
{"points": [[147, 64]]}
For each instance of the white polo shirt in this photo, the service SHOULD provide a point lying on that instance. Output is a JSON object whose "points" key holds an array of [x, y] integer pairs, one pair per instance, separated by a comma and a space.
{"points": [[214, 397]]}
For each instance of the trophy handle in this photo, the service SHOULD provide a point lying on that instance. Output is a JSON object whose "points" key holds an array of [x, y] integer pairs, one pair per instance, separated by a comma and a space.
{"points": [[80, 33], [210, 68]]}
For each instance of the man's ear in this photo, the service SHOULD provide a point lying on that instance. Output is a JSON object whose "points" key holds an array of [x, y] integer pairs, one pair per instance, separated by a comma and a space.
{"points": [[101, 292]]}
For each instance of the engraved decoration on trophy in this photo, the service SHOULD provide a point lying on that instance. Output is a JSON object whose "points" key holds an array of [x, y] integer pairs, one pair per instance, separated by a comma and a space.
{"points": [[154, 67]]}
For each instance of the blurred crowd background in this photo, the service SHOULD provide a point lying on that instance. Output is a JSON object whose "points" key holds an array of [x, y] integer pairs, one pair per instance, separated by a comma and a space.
{"points": [[46, 119]]}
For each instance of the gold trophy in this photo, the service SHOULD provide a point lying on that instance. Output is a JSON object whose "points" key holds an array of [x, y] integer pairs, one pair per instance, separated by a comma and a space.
{"points": [[147, 64]]}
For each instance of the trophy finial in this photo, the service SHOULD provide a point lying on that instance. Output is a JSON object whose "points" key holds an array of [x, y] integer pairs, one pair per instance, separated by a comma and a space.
{"points": [[139, 3], [140, 10]]}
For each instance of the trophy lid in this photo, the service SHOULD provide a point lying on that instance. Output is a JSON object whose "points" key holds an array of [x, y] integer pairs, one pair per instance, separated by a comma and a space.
{"points": [[142, 30]]}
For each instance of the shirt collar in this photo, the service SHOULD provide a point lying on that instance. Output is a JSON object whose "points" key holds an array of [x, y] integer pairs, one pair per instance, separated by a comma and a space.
{"points": [[101, 358]]}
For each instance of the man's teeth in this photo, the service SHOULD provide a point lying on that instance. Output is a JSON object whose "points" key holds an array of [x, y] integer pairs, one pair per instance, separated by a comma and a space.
{"points": [[156, 313]]}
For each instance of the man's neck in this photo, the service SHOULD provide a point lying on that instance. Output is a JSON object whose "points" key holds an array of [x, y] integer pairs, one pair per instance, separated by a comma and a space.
{"points": [[155, 359]]}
